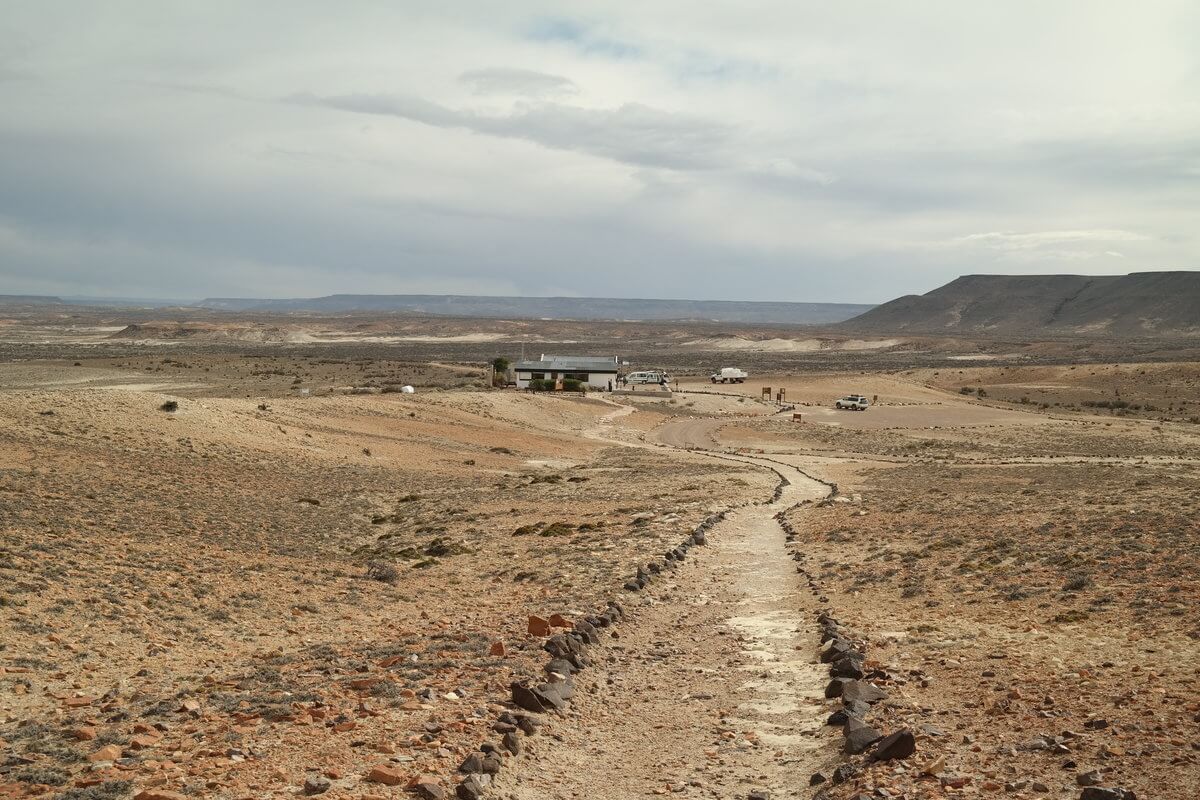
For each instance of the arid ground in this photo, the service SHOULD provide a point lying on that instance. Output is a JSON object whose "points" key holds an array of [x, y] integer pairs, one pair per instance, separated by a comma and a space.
{"points": [[237, 564]]}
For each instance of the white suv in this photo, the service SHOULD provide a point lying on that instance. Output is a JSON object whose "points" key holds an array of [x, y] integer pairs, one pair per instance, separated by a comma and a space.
{"points": [[854, 402], [652, 376]]}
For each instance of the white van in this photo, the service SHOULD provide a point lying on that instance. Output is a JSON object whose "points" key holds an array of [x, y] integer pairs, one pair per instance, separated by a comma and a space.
{"points": [[650, 376]]}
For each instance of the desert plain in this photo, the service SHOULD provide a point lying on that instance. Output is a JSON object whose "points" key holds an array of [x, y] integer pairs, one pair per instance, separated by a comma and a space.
{"points": [[237, 562]]}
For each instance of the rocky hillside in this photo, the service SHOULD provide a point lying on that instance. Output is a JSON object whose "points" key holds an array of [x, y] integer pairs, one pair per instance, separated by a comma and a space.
{"points": [[1140, 304]]}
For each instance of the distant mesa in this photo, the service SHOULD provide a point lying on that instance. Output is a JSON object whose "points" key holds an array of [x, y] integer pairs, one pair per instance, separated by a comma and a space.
{"points": [[29, 300], [561, 308], [1150, 304]]}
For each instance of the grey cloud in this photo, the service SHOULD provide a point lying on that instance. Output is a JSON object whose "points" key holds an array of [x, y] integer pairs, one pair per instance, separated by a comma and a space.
{"points": [[803, 152], [633, 133], [528, 83]]}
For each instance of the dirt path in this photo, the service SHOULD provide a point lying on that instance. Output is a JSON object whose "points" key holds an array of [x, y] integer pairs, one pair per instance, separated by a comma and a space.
{"points": [[712, 690]]}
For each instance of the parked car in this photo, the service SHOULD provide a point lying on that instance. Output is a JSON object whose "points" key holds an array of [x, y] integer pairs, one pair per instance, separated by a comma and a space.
{"points": [[729, 375], [853, 402], [648, 376]]}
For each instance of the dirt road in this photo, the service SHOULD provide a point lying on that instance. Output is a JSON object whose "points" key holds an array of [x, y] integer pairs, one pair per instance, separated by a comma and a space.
{"points": [[713, 690], [699, 433]]}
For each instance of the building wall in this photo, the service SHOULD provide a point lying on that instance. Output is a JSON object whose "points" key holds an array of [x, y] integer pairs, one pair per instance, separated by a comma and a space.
{"points": [[596, 380]]}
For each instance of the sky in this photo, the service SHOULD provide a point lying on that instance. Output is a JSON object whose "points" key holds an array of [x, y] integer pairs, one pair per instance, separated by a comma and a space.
{"points": [[757, 150]]}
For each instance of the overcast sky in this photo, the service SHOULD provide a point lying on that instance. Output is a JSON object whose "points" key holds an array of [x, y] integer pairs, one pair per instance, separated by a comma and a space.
{"points": [[747, 150]]}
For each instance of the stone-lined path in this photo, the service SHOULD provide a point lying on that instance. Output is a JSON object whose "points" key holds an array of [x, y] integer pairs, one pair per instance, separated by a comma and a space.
{"points": [[713, 689]]}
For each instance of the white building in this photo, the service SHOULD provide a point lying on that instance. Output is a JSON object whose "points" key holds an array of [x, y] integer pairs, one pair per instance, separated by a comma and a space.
{"points": [[596, 372]]}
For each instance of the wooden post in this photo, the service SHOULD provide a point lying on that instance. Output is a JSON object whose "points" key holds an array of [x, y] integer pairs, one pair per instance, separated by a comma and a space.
{"points": [[766, 392]]}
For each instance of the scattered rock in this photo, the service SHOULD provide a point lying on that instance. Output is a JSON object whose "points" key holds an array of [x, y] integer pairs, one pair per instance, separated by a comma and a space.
{"points": [[538, 626], [316, 784], [426, 788], [107, 753], [386, 774]]}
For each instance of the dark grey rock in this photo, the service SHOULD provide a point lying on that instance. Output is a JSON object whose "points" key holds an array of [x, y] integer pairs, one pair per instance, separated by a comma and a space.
{"points": [[472, 764], [847, 667], [864, 691], [492, 762], [838, 717], [859, 735], [1101, 793], [843, 773], [900, 744], [856, 708], [528, 699], [470, 789], [561, 666]]}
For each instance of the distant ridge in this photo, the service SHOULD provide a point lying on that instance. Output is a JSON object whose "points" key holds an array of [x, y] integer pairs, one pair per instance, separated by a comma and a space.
{"points": [[29, 300], [577, 308], [1139, 304]]}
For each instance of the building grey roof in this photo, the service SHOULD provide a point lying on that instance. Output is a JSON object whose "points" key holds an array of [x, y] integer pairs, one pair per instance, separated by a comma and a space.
{"points": [[569, 364]]}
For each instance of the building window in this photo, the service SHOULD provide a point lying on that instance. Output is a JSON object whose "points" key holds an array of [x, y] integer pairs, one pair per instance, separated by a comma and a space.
{"points": [[539, 376]]}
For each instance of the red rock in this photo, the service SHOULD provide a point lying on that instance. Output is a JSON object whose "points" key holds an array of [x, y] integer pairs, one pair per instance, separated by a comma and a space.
{"points": [[78, 702], [84, 734], [497, 650], [559, 621], [342, 727], [158, 794], [363, 683], [108, 753], [538, 626], [143, 742], [385, 774]]}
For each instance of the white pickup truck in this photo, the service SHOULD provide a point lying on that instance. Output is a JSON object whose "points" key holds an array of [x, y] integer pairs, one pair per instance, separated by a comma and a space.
{"points": [[729, 375], [853, 402]]}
